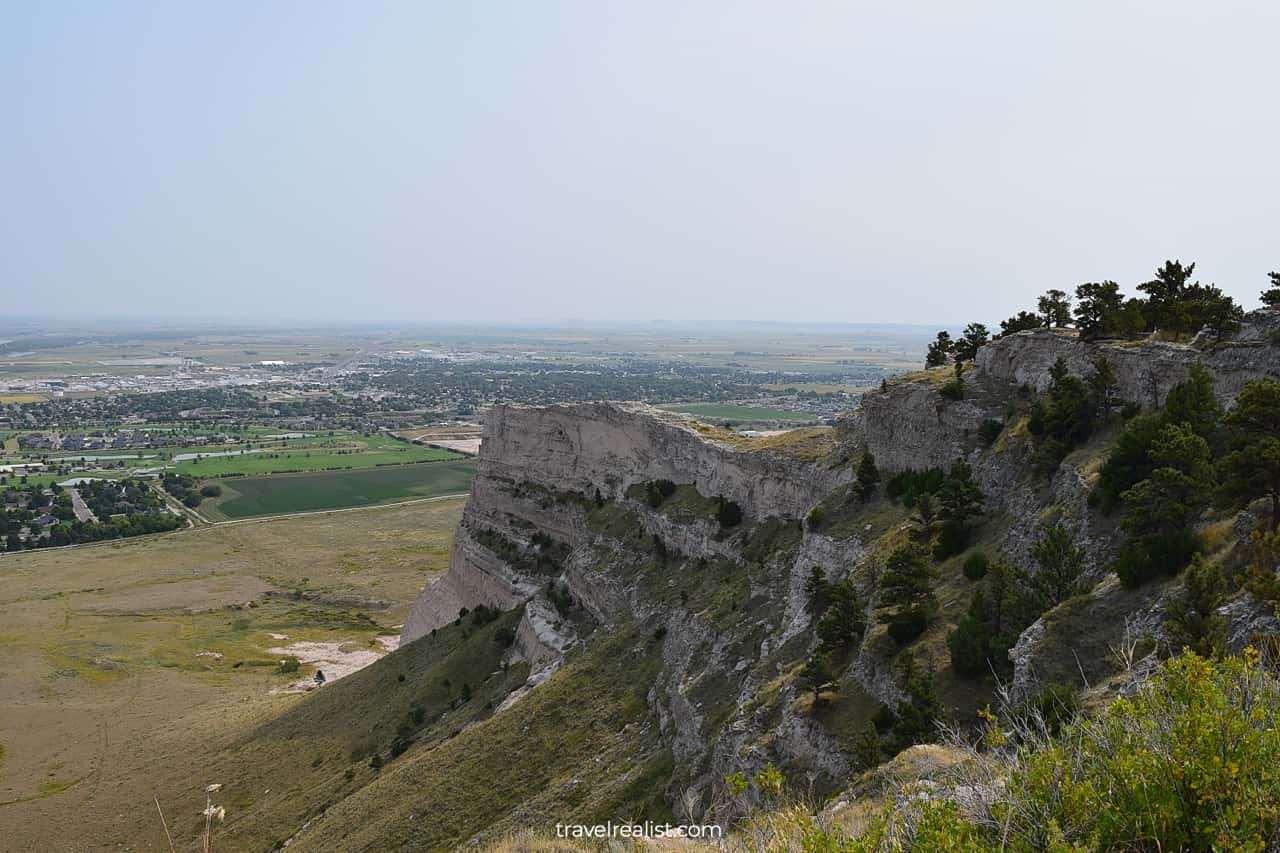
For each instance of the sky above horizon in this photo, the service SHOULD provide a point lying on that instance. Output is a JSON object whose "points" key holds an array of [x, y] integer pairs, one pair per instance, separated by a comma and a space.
{"points": [[629, 161]]}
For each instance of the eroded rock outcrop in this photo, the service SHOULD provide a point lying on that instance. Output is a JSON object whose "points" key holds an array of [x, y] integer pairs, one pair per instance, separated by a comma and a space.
{"points": [[532, 458], [1145, 371]]}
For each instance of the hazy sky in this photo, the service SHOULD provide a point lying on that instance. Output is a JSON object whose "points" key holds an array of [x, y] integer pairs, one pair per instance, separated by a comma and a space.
{"points": [[928, 162]]}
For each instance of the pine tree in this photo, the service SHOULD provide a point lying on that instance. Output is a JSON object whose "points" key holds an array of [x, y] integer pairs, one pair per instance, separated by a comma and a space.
{"points": [[1252, 469], [1023, 321], [975, 335], [1271, 296], [1104, 387], [866, 746], [1099, 306], [1165, 295], [906, 576], [1055, 309], [868, 475], [1193, 620], [960, 500], [816, 588], [842, 622], [940, 350], [817, 673], [1060, 562], [1160, 510]]}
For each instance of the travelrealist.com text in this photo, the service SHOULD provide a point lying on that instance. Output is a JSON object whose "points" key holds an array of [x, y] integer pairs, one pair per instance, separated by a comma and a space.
{"points": [[647, 829]]}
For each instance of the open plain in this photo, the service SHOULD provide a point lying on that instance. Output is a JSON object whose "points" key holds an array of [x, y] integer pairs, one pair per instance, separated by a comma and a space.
{"points": [[127, 666]]}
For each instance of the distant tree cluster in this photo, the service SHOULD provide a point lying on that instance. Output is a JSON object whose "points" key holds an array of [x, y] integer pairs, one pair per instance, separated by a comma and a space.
{"points": [[1167, 468], [1172, 303], [185, 488], [946, 504], [31, 517], [1066, 416]]}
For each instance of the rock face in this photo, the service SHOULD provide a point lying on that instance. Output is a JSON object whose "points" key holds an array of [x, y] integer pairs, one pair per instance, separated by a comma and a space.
{"points": [[909, 426], [530, 457], [611, 446], [527, 538]]}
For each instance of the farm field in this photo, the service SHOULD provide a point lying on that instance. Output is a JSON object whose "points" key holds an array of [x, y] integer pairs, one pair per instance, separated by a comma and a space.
{"points": [[350, 454], [284, 493], [734, 412], [131, 667]]}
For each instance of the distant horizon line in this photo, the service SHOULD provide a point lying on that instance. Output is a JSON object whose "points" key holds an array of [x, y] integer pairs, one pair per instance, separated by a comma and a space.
{"points": [[36, 325]]}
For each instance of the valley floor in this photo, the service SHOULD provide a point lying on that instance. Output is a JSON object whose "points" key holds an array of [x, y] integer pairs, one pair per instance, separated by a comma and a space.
{"points": [[127, 668]]}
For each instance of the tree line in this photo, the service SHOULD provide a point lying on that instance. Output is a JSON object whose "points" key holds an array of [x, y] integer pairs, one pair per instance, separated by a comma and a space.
{"points": [[1172, 303]]}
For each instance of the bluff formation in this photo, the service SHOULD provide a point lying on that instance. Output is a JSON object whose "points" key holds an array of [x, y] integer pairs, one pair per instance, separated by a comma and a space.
{"points": [[559, 520]]}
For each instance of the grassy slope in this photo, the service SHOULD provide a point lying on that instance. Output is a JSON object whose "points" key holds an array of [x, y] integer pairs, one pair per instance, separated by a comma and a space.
{"points": [[582, 746], [319, 751]]}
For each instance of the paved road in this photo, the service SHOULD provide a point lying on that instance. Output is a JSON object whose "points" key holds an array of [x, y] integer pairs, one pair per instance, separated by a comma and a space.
{"points": [[81, 508]]}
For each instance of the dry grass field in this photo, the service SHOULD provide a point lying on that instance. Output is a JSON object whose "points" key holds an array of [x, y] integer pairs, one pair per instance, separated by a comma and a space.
{"points": [[126, 668]]}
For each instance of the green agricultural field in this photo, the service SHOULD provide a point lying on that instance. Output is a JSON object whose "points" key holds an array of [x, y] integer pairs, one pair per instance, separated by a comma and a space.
{"points": [[733, 412], [311, 455], [285, 493]]}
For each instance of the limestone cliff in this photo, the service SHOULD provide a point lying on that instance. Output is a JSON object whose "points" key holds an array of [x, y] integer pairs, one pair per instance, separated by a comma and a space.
{"points": [[530, 456]]}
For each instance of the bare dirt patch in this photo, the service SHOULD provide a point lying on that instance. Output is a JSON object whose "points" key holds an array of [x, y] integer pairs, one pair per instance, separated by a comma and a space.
{"points": [[335, 658]]}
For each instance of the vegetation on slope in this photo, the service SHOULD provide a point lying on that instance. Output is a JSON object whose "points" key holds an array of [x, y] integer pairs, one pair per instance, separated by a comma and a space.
{"points": [[580, 748], [1190, 760], [340, 738]]}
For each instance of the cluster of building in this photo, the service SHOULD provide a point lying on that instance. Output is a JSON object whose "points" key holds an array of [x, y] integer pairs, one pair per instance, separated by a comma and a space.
{"points": [[192, 375], [123, 439]]}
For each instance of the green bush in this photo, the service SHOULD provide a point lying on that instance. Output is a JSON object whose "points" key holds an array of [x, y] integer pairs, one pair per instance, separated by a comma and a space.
{"points": [[989, 430], [1190, 762], [728, 513], [908, 486], [656, 491], [1143, 559], [953, 389], [952, 539], [907, 625], [975, 566]]}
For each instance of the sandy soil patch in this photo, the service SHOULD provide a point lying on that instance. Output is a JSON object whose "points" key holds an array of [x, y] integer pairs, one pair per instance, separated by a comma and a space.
{"points": [[467, 446], [335, 658]]}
